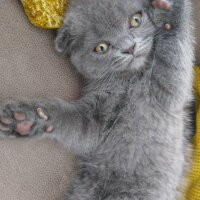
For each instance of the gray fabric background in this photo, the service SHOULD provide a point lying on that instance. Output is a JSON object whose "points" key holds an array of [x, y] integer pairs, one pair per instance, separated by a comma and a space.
{"points": [[32, 169]]}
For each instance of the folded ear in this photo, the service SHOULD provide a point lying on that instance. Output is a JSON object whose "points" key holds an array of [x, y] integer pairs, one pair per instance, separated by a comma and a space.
{"points": [[64, 39]]}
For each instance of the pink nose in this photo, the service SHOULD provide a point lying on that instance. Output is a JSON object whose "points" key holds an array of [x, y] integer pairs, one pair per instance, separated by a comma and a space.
{"points": [[131, 50]]}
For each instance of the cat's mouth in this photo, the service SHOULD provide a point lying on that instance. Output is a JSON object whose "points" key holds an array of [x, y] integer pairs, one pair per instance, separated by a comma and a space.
{"points": [[132, 64], [134, 58]]}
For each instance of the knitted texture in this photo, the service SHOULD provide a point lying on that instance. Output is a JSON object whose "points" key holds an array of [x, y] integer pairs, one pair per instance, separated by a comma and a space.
{"points": [[45, 13], [193, 189]]}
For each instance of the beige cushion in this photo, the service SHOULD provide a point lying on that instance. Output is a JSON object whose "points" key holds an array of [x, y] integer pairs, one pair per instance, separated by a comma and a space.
{"points": [[33, 169], [197, 28]]}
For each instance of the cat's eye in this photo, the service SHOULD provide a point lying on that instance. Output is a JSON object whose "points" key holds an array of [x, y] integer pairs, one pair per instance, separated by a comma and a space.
{"points": [[136, 20], [102, 47]]}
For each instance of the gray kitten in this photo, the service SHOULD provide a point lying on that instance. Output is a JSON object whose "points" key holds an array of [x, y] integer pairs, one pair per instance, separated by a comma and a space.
{"points": [[128, 127]]}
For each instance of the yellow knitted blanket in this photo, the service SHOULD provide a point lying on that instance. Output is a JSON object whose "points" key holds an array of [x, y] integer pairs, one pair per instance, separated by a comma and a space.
{"points": [[193, 188], [45, 13]]}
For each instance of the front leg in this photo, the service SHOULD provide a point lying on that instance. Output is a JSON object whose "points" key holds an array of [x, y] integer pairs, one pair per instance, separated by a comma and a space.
{"points": [[172, 56], [72, 124]]}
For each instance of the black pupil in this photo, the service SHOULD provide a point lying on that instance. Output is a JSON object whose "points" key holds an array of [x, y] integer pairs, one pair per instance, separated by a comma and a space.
{"points": [[137, 20], [102, 48]]}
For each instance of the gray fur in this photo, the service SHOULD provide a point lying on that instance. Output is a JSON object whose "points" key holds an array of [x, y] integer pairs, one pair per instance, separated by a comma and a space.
{"points": [[128, 127]]}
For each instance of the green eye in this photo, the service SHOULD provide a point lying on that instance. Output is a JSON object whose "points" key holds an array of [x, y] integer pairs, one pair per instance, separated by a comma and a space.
{"points": [[102, 47], [136, 20]]}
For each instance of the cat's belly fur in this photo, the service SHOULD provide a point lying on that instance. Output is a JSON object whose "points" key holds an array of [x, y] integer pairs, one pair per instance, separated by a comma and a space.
{"points": [[146, 141]]}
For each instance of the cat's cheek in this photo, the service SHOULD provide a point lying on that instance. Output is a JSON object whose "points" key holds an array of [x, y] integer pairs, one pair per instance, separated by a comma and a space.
{"points": [[76, 61]]}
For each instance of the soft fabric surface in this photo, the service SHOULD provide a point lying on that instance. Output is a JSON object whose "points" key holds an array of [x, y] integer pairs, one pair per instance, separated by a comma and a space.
{"points": [[32, 169], [193, 190], [29, 65], [45, 13], [197, 28]]}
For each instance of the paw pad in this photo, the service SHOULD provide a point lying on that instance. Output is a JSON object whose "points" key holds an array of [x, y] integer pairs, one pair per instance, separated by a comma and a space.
{"points": [[168, 27], [162, 4], [41, 114], [19, 116], [5, 120], [23, 128], [49, 129]]}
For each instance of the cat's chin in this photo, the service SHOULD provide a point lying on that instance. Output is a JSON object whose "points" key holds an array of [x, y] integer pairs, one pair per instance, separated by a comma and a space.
{"points": [[135, 64]]}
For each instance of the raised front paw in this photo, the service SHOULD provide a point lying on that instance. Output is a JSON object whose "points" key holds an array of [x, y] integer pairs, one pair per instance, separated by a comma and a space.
{"points": [[162, 4], [159, 17], [24, 119]]}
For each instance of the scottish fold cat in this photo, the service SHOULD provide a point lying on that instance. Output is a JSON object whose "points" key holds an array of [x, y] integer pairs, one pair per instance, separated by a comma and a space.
{"points": [[129, 125]]}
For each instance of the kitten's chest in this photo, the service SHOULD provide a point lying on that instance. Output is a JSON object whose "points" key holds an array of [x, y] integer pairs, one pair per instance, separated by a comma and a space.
{"points": [[126, 103]]}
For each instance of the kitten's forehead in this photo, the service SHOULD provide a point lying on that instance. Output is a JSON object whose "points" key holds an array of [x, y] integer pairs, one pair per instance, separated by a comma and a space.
{"points": [[110, 8], [104, 15]]}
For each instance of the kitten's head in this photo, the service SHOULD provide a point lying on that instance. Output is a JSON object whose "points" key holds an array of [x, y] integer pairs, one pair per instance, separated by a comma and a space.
{"points": [[105, 36]]}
